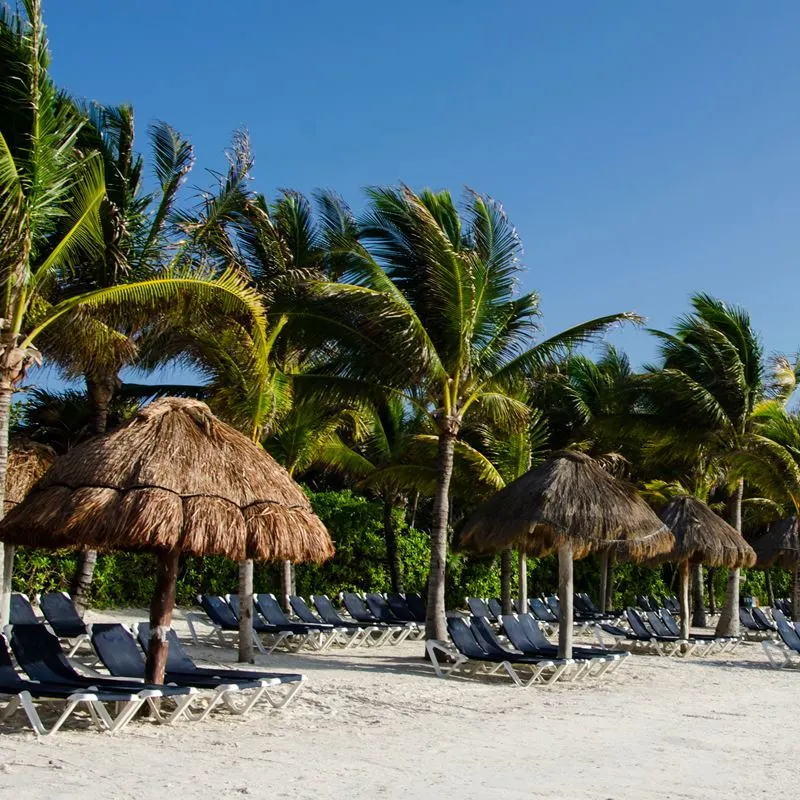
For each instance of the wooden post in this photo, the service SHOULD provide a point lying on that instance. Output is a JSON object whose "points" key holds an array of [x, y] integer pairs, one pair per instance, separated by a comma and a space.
{"points": [[712, 597], [698, 597], [796, 592], [565, 600], [523, 582], [506, 567], [684, 598], [770, 590], [246, 655], [610, 583], [161, 615], [603, 592], [288, 584]]}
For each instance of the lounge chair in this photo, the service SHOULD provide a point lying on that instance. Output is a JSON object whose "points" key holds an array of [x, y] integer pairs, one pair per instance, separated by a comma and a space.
{"points": [[22, 693], [671, 628], [763, 621], [786, 652], [122, 657], [478, 608], [495, 608], [372, 634], [667, 645], [381, 610], [350, 636], [358, 611], [401, 609], [40, 656], [592, 609], [22, 612], [64, 619], [543, 613], [224, 619], [319, 635], [526, 629], [417, 606], [468, 655]]}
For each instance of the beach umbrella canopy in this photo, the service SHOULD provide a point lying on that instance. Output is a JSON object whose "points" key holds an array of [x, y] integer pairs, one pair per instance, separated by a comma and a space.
{"points": [[27, 462], [570, 504], [780, 547], [173, 480], [701, 537]]}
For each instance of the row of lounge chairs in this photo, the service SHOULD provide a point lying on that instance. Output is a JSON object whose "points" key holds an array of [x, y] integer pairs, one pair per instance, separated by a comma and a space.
{"points": [[373, 620], [476, 649], [785, 650], [757, 624], [658, 632], [60, 613]]}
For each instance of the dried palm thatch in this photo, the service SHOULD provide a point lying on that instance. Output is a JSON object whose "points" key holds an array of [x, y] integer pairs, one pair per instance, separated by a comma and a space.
{"points": [[780, 546], [570, 498], [703, 537], [27, 462], [175, 478]]}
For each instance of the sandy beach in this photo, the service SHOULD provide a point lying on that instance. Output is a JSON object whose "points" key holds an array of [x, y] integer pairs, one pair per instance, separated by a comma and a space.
{"points": [[378, 723]]}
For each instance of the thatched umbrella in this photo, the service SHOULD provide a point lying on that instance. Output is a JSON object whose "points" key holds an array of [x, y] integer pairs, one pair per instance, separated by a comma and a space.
{"points": [[780, 547], [701, 537], [174, 480], [27, 462], [572, 505]]}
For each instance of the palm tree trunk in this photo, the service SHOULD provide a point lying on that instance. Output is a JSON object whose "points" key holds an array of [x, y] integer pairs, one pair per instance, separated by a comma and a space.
{"points": [[392, 556], [712, 596], [603, 590], [698, 599], [436, 623], [523, 582], [728, 624], [796, 593], [246, 655], [161, 616], [101, 394], [506, 558], [684, 599], [287, 585], [6, 551], [413, 521], [565, 587], [770, 590]]}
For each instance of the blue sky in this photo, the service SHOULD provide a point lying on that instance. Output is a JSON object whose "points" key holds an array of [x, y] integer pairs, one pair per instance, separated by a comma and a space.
{"points": [[644, 150]]}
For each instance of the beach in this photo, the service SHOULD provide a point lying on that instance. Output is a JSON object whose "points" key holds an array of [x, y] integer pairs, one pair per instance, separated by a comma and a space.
{"points": [[378, 723]]}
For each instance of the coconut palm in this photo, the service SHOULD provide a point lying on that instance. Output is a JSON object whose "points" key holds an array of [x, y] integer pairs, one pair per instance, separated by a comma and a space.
{"points": [[710, 380], [430, 311]]}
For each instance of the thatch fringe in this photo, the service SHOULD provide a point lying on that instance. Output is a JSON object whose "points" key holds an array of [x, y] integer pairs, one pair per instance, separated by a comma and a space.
{"points": [[173, 477], [570, 498], [27, 462], [703, 537], [780, 546]]}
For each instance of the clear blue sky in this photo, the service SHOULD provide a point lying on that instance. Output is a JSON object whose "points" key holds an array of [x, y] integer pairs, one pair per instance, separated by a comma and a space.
{"points": [[645, 150]]}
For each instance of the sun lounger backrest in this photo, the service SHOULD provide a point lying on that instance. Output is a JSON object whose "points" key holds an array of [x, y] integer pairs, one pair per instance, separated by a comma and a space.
{"points": [[495, 608], [8, 674], [417, 606], [22, 612], [464, 638], [356, 608], [177, 658], [118, 650], [669, 623], [301, 608], [657, 624], [541, 611], [381, 609], [554, 606], [746, 619], [39, 654], [777, 614], [763, 620], [533, 631], [637, 623], [60, 612], [399, 607], [482, 629], [219, 612], [516, 634], [271, 610], [580, 604], [326, 610], [789, 635], [477, 607], [590, 606]]}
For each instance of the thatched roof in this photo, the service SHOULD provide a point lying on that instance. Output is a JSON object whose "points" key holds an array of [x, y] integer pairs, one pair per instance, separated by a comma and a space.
{"points": [[780, 547], [174, 477], [570, 497], [703, 537], [27, 462]]}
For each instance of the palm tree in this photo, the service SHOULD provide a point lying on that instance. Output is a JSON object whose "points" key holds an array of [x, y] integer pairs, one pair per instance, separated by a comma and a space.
{"points": [[430, 313], [711, 378]]}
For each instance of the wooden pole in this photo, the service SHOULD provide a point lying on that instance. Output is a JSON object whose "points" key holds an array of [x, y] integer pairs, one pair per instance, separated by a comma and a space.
{"points": [[712, 596], [684, 599], [506, 568], [161, 615], [288, 584], [698, 597], [565, 600], [770, 590], [246, 655], [523, 582], [610, 583], [796, 592], [603, 592]]}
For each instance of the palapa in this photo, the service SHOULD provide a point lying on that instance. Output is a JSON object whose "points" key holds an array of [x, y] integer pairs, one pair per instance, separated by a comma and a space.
{"points": [[570, 504], [780, 547], [27, 463], [701, 537], [173, 480]]}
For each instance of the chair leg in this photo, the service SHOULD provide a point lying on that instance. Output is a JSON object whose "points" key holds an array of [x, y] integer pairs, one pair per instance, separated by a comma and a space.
{"points": [[283, 700]]}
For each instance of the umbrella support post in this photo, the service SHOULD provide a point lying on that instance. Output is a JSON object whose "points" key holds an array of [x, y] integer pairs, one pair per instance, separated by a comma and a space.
{"points": [[603, 592], [565, 600], [796, 592], [246, 632], [684, 598], [161, 615], [523, 582]]}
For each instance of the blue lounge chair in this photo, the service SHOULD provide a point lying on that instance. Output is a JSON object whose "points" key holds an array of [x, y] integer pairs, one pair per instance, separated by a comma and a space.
{"points": [[63, 618], [318, 635], [358, 611]]}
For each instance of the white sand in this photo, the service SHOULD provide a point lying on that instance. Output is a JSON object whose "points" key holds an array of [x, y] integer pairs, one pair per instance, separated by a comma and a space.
{"points": [[378, 723]]}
